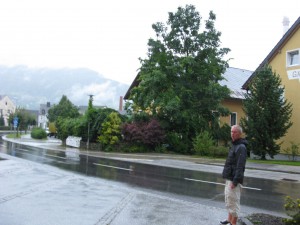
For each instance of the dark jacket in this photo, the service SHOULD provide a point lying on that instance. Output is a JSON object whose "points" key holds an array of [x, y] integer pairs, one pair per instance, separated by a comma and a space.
{"points": [[234, 167]]}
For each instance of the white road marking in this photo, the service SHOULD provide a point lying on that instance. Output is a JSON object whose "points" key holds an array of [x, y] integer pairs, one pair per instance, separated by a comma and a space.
{"points": [[20, 149], [24, 150], [209, 182], [56, 156], [115, 167]]}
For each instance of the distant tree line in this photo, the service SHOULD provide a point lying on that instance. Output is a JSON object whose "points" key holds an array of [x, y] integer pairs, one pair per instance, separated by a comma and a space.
{"points": [[25, 119]]}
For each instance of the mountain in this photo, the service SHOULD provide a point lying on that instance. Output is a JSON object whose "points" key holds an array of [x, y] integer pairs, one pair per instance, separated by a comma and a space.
{"points": [[30, 87]]}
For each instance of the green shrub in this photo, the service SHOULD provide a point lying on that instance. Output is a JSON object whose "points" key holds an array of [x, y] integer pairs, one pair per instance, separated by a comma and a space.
{"points": [[38, 133], [108, 148], [221, 134], [177, 143], [292, 208], [218, 151], [163, 148], [203, 144], [293, 151], [111, 130], [4, 128]]}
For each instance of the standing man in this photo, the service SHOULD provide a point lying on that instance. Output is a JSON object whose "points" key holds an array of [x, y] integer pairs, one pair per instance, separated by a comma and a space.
{"points": [[233, 172]]}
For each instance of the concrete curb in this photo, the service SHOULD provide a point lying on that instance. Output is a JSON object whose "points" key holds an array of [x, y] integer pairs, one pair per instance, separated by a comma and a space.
{"points": [[245, 221]]}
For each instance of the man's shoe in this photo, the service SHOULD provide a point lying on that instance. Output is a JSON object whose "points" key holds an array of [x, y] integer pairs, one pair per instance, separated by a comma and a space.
{"points": [[224, 222]]}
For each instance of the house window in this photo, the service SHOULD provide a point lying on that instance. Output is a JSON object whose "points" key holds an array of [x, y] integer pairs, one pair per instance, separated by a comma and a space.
{"points": [[233, 118], [293, 58]]}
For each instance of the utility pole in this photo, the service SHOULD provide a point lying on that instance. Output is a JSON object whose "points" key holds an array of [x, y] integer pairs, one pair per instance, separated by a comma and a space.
{"points": [[90, 105], [88, 117]]}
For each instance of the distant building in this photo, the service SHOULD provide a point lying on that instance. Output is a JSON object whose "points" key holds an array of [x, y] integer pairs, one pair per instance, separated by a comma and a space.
{"points": [[7, 107], [43, 115], [234, 79]]}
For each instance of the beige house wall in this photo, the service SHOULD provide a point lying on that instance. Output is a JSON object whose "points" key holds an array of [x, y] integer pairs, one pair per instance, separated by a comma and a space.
{"points": [[234, 106], [292, 86]]}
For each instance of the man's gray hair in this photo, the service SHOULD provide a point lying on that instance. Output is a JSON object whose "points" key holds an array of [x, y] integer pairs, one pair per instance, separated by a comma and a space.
{"points": [[240, 129]]}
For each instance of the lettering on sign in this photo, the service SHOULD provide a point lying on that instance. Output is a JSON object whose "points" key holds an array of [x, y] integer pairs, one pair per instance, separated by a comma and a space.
{"points": [[293, 74]]}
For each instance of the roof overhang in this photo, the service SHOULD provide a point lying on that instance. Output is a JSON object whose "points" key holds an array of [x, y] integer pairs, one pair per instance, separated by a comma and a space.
{"points": [[286, 37]]}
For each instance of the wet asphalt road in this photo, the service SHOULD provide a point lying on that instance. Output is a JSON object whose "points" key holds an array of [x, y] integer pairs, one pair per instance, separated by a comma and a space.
{"points": [[36, 194], [149, 188]]}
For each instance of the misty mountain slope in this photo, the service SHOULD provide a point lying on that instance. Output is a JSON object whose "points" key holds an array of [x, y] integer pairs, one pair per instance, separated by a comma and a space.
{"points": [[30, 87]]}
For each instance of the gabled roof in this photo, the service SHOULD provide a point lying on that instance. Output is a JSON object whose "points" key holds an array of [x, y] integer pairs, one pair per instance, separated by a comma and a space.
{"points": [[135, 83], [286, 37], [3, 96], [234, 78]]}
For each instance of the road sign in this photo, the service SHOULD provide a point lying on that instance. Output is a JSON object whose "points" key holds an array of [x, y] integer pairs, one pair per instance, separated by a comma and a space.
{"points": [[15, 122]]}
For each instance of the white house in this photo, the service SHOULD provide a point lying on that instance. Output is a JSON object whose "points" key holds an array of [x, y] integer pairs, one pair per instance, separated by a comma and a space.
{"points": [[43, 113], [7, 107]]}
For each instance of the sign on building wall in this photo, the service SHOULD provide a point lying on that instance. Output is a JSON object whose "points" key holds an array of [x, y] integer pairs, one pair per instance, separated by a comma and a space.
{"points": [[293, 74]]}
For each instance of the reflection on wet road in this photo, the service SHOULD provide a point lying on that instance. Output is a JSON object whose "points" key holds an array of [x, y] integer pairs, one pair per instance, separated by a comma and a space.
{"points": [[259, 193]]}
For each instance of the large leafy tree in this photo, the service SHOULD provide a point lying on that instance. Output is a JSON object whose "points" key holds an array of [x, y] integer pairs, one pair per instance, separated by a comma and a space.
{"points": [[64, 115], [179, 79], [64, 109], [268, 113]]}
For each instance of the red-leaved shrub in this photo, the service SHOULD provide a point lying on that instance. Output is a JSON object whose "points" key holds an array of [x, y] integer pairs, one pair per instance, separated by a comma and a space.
{"points": [[148, 133]]}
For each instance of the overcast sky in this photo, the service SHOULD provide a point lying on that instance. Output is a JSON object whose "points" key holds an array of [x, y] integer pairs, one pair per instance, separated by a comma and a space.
{"points": [[110, 36]]}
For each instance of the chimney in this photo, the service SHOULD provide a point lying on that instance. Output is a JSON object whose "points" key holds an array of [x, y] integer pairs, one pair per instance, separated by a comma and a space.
{"points": [[286, 24], [121, 104]]}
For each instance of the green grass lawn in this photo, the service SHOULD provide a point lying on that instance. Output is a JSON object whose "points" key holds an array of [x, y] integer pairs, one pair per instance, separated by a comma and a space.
{"points": [[277, 162], [14, 135]]}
